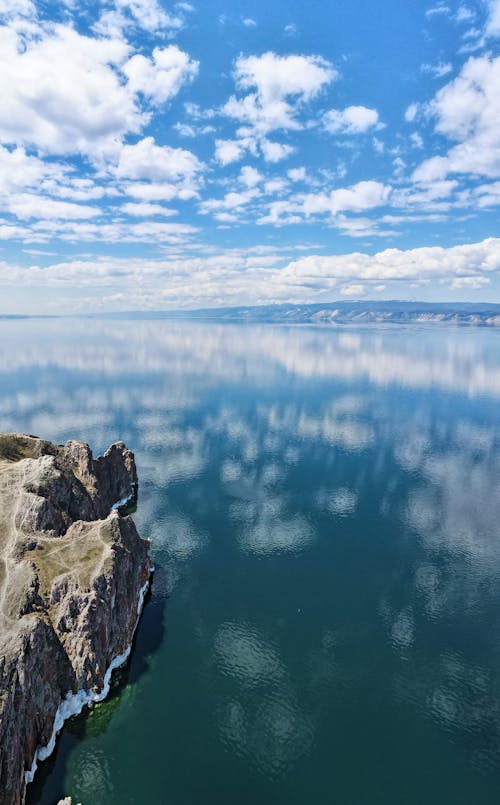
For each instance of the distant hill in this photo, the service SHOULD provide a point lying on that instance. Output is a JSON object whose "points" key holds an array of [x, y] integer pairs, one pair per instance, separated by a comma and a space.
{"points": [[338, 313]]}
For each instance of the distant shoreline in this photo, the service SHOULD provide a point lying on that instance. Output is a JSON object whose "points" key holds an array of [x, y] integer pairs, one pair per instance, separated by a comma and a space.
{"points": [[481, 314]]}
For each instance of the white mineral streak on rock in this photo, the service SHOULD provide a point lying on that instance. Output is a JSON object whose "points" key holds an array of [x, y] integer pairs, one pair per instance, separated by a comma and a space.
{"points": [[74, 703]]}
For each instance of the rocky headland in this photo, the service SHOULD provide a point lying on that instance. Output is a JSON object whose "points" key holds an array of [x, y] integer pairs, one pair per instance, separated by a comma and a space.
{"points": [[73, 575]]}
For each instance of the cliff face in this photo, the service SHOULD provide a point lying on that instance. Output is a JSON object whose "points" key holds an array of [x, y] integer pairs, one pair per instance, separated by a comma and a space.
{"points": [[73, 572]]}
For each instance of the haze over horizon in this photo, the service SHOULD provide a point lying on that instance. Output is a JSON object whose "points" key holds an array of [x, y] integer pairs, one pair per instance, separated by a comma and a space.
{"points": [[160, 156]]}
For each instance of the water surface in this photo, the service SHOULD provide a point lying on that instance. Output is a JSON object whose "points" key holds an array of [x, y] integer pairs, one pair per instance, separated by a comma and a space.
{"points": [[324, 507]]}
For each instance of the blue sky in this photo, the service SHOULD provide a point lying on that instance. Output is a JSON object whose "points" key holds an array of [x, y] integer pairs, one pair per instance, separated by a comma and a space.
{"points": [[157, 156]]}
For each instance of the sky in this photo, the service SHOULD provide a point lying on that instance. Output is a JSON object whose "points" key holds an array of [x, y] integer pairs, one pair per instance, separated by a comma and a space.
{"points": [[184, 155]]}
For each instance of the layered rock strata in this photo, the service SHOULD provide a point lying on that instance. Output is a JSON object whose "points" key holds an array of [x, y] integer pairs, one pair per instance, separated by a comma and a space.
{"points": [[73, 573]]}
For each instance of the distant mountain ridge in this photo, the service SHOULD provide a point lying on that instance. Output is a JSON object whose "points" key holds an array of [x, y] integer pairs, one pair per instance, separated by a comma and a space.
{"points": [[481, 314]]}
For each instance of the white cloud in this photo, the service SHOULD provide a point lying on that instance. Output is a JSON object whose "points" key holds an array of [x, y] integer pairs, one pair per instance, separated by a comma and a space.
{"points": [[161, 77], [277, 77], [297, 174], [231, 201], [464, 14], [351, 120], [411, 112], [28, 205], [62, 92], [275, 152], [249, 176], [275, 186], [187, 130], [149, 14], [195, 279], [159, 191], [248, 22], [195, 111], [146, 14], [274, 81], [145, 209], [417, 140], [437, 70], [487, 195], [19, 171], [228, 151], [305, 206], [474, 283], [469, 260], [352, 290], [147, 232], [362, 196], [277, 89], [493, 23], [360, 227], [440, 8], [146, 160], [467, 110], [11, 9], [65, 93]]}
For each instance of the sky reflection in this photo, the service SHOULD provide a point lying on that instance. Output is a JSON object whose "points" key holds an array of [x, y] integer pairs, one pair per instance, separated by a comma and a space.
{"points": [[324, 508]]}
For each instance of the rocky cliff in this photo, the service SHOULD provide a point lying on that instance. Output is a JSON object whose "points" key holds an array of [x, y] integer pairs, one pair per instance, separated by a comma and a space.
{"points": [[73, 573]]}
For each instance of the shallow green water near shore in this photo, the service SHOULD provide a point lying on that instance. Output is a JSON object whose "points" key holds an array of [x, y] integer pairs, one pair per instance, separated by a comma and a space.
{"points": [[324, 506]]}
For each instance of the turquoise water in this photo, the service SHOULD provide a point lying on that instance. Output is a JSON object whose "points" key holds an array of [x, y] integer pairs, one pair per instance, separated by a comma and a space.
{"points": [[324, 507]]}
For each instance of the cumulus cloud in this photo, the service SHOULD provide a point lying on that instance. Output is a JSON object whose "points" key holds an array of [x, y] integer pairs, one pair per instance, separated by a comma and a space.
{"points": [[66, 93], [40, 104], [357, 198], [277, 85], [82, 121], [467, 111], [275, 88], [18, 170], [249, 176], [231, 201], [161, 77], [260, 277], [11, 9], [477, 259], [228, 151], [146, 160], [351, 120], [275, 152]]}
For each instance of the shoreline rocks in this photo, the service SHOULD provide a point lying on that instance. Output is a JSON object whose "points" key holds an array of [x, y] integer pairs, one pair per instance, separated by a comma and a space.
{"points": [[73, 572]]}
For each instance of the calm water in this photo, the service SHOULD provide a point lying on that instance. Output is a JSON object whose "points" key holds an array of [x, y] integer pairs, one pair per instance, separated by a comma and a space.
{"points": [[324, 506]]}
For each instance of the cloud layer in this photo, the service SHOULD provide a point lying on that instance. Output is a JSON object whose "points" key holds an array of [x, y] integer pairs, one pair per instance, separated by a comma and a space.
{"points": [[247, 172]]}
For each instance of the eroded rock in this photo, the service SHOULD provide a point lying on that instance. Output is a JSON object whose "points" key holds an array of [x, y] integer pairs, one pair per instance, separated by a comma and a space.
{"points": [[73, 572]]}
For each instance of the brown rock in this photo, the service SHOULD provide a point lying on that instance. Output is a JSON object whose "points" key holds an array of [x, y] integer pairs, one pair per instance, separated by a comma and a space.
{"points": [[71, 575]]}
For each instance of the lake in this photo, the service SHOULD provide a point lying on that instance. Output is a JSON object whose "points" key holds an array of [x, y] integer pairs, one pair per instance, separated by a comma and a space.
{"points": [[324, 510]]}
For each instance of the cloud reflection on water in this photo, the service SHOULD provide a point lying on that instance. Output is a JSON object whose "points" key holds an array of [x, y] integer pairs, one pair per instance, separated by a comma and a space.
{"points": [[289, 429]]}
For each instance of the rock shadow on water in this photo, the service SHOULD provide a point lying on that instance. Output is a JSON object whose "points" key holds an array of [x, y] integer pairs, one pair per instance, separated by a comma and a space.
{"points": [[49, 785]]}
